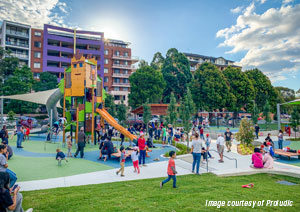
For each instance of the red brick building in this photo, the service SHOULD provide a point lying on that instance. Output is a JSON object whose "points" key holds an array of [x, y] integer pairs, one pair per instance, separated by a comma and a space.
{"points": [[36, 53]]}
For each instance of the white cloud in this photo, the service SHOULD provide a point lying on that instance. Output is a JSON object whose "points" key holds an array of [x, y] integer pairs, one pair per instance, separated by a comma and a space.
{"points": [[287, 1], [262, 1], [237, 9], [271, 40], [33, 12]]}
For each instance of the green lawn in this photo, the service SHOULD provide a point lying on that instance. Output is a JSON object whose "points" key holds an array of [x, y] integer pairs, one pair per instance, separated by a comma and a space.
{"points": [[33, 168], [145, 195]]}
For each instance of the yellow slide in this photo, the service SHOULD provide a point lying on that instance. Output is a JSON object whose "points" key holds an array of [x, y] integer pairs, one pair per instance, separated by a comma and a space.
{"points": [[115, 124]]}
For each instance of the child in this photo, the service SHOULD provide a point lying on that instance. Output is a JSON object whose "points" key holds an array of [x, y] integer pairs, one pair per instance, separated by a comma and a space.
{"points": [[69, 143], [270, 149], [49, 133], [3, 158], [27, 133], [122, 161], [135, 159], [171, 170], [60, 156]]}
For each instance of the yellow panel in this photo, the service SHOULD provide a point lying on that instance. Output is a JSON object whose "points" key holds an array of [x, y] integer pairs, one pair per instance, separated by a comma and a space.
{"points": [[68, 91], [88, 81], [99, 99]]}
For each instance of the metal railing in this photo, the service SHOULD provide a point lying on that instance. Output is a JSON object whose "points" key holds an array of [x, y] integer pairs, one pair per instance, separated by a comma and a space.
{"points": [[17, 44], [13, 32]]}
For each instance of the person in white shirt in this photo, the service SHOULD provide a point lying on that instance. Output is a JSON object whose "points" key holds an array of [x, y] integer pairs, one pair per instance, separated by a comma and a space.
{"points": [[220, 147], [197, 149]]}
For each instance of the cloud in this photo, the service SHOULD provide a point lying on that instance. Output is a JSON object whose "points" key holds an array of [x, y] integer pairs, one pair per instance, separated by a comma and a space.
{"points": [[287, 1], [270, 40], [237, 9], [263, 1], [33, 12]]}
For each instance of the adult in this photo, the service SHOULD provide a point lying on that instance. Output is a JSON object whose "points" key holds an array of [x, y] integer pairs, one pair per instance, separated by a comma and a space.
{"points": [[268, 161], [4, 135], [228, 136], [220, 147], [10, 151], [257, 159], [196, 152], [142, 147], [8, 202], [19, 135], [157, 133], [110, 131], [164, 135], [122, 138], [98, 131], [107, 149], [256, 130], [81, 143], [280, 139], [150, 131]]}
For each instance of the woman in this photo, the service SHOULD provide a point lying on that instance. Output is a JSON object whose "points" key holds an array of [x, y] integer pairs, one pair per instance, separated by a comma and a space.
{"points": [[280, 139], [257, 159], [8, 202], [268, 161], [196, 152]]}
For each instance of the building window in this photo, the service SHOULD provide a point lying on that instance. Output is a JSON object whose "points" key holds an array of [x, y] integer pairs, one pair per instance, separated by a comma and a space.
{"points": [[116, 88], [105, 61], [105, 70], [125, 80], [117, 53], [105, 79], [106, 51], [125, 71], [36, 65], [126, 63], [105, 88], [126, 54], [125, 89], [37, 44], [117, 97], [117, 71], [124, 98], [37, 34], [36, 75], [116, 80], [37, 54]]}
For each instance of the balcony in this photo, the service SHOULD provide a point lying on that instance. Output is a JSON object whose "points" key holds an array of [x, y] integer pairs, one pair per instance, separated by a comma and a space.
{"points": [[121, 57], [120, 75], [121, 84], [16, 33], [123, 93], [122, 66], [24, 45], [20, 56]]}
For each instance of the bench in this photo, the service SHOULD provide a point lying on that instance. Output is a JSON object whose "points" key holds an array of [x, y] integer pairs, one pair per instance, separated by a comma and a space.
{"points": [[286, 154]]}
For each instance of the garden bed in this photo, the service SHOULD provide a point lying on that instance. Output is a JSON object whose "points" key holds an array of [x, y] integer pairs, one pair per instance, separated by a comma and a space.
{"points": [[244, 149]]}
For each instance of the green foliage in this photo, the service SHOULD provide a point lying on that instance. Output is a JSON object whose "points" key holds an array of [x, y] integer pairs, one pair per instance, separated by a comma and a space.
{"points": [[295, 120], [146, 113], [182, 150], [246, 132], [177, 74], [8, 64], [110, 104], [157, 61], [11, 115], [121, 112], [266, 113], [263, 89], [210, 89], [47, 81], [172, 110], [143, 63], [255, 114], [240, 86], [146, 83]]}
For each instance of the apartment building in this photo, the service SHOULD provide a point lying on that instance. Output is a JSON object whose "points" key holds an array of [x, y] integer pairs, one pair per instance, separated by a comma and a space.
{"points": [[36, 55], [17, 38], [118, 66], [196, 60]]}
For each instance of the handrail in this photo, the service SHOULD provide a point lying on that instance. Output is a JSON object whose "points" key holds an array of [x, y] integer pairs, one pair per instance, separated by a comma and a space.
{"points": [[223, 156]]}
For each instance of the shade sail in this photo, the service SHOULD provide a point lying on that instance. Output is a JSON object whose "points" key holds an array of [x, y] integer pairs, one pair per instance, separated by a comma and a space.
{"points": [[37, 97], [294, 102]]}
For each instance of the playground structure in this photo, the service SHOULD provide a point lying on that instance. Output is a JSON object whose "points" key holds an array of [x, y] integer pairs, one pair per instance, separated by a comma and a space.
{"points": [[83, 97]]}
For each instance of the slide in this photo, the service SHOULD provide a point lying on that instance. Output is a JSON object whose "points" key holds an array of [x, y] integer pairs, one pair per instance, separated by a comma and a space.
{"points": [[115, 124], [52, 102]]}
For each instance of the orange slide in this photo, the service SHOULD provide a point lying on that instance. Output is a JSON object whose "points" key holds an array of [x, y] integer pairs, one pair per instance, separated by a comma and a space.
{"points": [[115, 124]]}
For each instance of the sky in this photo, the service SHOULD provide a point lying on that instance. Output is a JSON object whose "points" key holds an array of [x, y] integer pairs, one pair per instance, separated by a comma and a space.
{"points": [[254, 33]]}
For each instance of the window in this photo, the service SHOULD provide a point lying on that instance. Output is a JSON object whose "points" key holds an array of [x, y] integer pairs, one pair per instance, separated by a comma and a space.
{"points": [[105, 79], [75, 66], [105, 70], [117, 53], [80, 65], [116, 80], [116, 88], [105, 61], [37, 34], [126, 54], [125, 71], [106, 51], [125, 89], [37, 44], [125, 80], [126, 63], [36, 65], [36, 75], [105, 88], [117, 71], [124, 98], [117, 97], [37, 54]]}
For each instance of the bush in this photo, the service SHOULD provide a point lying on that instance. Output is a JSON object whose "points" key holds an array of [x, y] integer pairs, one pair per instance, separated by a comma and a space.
{"points": [[246, 132]]}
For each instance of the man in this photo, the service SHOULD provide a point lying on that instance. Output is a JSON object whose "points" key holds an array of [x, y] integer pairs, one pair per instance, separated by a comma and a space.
{"points": [[256, 130], [108, 148], [81, 143], [220, 147], [228, 136], [19, 135]]}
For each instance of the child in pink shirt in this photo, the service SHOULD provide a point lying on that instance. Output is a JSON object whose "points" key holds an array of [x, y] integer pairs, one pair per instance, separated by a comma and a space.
{"points": [[257, 159]]}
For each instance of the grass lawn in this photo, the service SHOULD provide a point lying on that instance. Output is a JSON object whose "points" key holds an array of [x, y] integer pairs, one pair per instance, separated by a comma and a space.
{"points": [[145, 195], [38, 168]]}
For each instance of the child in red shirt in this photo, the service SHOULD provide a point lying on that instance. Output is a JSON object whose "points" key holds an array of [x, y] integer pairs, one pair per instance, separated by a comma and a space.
{"points": [[171, 170]]}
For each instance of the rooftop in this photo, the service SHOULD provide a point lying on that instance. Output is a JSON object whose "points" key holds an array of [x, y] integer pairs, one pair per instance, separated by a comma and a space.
{"points": [[205, 57]]}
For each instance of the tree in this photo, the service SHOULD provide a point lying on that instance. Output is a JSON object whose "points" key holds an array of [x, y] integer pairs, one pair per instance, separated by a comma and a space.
{"points": [[266, 113], [110, 104], [121, 112], [255, 114], [240, 86], [8, 64], [210, 89], [172, 110], [246, 132], [11, 116], [287, 94], [47, 81], [177, 74], [143, 63], [146, 83], [186, 111], [146, 113], [295, 120], [263, 89], [157, 61]]}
